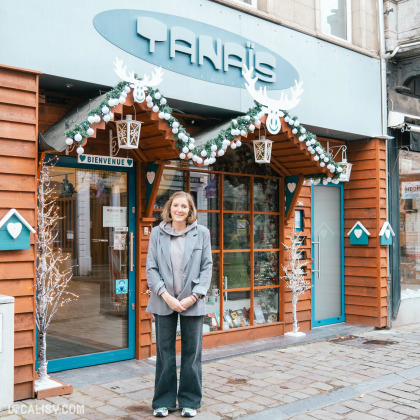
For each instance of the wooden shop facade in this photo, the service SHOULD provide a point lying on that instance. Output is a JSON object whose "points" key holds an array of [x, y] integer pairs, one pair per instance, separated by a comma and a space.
{"points": [[109, 199]]}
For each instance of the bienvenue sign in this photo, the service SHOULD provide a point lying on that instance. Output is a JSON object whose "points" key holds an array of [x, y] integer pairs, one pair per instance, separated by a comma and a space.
{"points": [[193, 48], [105, 161]]}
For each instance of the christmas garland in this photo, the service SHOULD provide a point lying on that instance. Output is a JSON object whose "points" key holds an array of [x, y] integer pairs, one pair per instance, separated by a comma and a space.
{"points": [[205, 154]]}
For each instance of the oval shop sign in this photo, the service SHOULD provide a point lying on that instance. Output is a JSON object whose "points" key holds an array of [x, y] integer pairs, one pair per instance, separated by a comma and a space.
{"points": [[193, 48]]}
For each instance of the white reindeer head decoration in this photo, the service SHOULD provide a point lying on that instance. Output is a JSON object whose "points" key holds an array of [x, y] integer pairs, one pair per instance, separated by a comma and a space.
{"points": [[272, 107], [138, 85]]}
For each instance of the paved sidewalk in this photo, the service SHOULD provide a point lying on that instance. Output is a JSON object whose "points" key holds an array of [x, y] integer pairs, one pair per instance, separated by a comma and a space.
{"points": [[367, 375]]}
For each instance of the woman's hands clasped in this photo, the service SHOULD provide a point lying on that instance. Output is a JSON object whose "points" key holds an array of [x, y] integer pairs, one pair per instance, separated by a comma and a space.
{"points": [[175, 304]]}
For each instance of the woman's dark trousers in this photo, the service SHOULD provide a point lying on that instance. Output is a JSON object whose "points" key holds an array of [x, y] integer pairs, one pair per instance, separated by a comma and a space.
{"points": [[190, 382]]}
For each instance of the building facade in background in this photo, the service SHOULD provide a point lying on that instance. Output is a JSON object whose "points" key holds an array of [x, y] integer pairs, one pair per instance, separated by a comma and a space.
{"points": [[109, 206]]}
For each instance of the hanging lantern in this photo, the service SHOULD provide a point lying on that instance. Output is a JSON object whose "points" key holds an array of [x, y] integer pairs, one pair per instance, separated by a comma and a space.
{"points": [[262, 150], [128, 132], [346, 166]]}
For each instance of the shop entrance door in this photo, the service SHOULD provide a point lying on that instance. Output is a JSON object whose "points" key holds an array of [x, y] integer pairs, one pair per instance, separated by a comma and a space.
{"points": [[96, 233], [328, 255]]}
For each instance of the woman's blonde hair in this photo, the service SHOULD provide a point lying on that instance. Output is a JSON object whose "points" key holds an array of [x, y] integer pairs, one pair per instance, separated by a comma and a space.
{"points": [[192, 214]]}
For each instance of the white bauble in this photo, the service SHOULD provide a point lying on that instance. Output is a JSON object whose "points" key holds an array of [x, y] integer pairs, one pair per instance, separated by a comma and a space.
{"points": [[106, 118], [167, 116], [326, 159], [111, 115], [221, 152], [233, 131], [182, 155], [286, 118], [121, 100], [158, 95], [175, 130], [123, 94], [149, 104], [322, 164], [308, 143], [69, 141], [316, 158], [203, 153], [97, 118], [189, 155], [206, 161], [192, 140], [303, 130], [233, 145], [238, 143], [296, 123], [212, 154], [105, 109], [332, 170], [301, 138], [257, 123], [313, 141], [149, 99], [243, 133], [235, 122], [329, 179], [163, 101], [199, 160], [339, 169], [80, 150], [213, 147], [281, 114], [91, 119], [78, 137], [294, 131], [161, 115], [247, 117], [194, 158], [212, 160], [251, 127], [185, 149], [175, 124], [325, 182], [90, 131], [322, 155], [191, 146], [155, 108], [318, 149], [127, 89]]}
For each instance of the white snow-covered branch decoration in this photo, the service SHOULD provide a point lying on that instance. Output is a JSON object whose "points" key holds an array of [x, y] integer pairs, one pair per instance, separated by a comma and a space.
{"points": [[51, 278], [295, 276]]}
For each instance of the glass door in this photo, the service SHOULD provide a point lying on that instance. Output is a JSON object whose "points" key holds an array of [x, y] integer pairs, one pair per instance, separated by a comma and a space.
{"points": [[328, 255], [96, 234]]}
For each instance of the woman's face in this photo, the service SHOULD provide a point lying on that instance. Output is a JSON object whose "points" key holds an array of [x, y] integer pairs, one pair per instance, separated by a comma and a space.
{"points": [[179, 209]]}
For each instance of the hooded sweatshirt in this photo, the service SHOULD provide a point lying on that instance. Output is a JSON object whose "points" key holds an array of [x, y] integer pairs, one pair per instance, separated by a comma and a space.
{"points": [[177, 254]]}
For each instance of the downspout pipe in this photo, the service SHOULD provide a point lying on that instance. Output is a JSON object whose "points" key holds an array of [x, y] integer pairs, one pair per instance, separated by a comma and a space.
{"points": [[392, 54], [384, 119]]}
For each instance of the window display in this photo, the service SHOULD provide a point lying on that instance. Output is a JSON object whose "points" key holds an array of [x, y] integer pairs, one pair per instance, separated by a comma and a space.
{"points": [[243, 257]]}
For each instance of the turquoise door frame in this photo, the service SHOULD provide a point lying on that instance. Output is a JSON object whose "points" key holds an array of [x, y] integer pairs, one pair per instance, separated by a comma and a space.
{"points": [[342, 317], [114, 355]]}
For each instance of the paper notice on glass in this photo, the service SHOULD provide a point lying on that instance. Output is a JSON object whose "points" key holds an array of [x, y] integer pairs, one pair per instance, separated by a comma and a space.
{"points": [[114, 216], [410, 190], [119, 241]]}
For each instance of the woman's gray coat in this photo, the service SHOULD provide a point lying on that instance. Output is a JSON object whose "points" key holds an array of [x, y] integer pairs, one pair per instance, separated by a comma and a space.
{"points": [[197, 269]]}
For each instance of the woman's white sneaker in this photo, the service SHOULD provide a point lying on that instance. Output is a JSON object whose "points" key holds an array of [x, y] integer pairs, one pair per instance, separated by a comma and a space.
{"points": [[188, 412], [160, 412]]}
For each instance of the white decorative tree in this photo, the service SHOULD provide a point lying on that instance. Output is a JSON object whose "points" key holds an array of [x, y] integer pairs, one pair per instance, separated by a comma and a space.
{"points": [[295, 277], [51, 276]]}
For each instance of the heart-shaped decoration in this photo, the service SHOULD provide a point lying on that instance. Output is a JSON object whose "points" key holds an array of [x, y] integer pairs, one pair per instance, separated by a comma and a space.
{"points": [[82, 158], [130, 162], [14, 229], [291, 186], [387, 233], [358, 233], [150, 177]]}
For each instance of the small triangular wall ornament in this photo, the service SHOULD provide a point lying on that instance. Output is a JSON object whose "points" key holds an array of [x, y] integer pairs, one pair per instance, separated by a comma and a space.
{"points": [[386, 234], [15, 232], [359, 235]]}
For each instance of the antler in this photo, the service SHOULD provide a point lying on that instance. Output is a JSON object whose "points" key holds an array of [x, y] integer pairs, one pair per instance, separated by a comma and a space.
{"points": [[121, 72], [156, 79], [260, 95]]}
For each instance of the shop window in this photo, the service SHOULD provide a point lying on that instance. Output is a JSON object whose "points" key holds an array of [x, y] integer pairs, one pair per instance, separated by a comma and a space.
{"points": [[410, 223], [336, 18], [243, 216]]}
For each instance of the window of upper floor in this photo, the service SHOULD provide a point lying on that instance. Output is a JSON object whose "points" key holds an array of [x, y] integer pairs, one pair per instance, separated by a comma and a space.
{"points": [[336, 18], [414, 85], [253, 3]]}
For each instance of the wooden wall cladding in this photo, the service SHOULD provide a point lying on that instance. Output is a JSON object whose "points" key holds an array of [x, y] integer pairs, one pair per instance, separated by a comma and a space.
{"points": [[366, 266], [18, 171]]}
